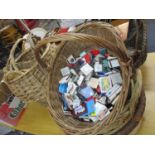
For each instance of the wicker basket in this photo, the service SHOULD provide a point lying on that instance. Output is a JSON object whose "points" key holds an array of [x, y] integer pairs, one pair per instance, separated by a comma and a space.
{"points": [[23, 75], [74, 43]]}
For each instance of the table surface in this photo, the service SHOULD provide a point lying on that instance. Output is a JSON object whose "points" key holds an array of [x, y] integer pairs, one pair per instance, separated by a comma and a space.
{"points": [[37, 120]]}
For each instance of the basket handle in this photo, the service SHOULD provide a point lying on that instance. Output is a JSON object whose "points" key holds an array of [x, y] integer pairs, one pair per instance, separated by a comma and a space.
{"points": [[118, 51], [141, 24], [11, 59]]}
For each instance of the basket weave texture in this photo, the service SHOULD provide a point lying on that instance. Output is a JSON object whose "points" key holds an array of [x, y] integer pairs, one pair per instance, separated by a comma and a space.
{"points": [[23, 75], [136, 42]]}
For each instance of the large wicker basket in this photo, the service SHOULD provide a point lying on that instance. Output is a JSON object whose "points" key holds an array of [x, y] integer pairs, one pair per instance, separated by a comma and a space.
{"points": [[74, 43], [23, 75]]}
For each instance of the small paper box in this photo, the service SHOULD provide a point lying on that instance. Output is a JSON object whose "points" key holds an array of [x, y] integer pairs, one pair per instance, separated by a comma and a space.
{"points": [[79, 63], [82, 98], [114, 63], [65, 71], [106, 70], [72, 71], [80, 80], [86, 92], [71, 88], [102, 100], [69, 100], [94, 119], [93, 83], [103, 51], [75, 78], [63, 88], [71, 60], [64, 80], [80, 110], [86, 69], [62, 30], [76, 102], [88, 58], [90, 106], [98, 67], [105, 84], [101, 111], [105, 63], [106, 67], [98, 58], [71, 29], [112, 90], [64, 101], [116, 78], [88, 77], [95, 52]]}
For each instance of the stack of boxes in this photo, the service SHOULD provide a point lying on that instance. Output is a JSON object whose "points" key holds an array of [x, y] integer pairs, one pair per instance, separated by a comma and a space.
{"points": [[90, 85]]}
